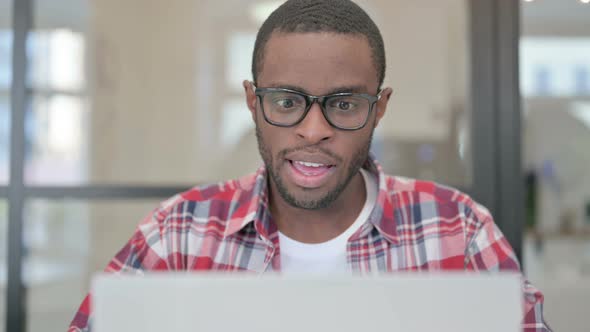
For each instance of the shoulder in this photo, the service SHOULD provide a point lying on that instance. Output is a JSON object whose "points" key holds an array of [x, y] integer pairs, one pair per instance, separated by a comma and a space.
{"points": [[210, 205], [436, 199]]}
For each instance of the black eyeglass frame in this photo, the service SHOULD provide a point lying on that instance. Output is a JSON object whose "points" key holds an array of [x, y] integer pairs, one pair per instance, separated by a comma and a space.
{"points": [[321, 100]]}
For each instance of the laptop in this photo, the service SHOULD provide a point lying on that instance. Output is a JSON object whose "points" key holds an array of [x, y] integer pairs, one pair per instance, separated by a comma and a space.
{"points": [[249, 303]]}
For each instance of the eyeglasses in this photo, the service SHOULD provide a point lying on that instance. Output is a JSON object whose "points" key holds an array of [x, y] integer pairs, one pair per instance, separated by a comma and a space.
{"points": [[287, 108]]}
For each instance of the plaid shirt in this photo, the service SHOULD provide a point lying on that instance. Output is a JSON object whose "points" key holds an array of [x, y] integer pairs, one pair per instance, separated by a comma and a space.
{"points": [[414, 226]]}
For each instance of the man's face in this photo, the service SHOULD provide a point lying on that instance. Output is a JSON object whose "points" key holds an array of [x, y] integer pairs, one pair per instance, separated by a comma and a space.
{"points": [[311, 163]]}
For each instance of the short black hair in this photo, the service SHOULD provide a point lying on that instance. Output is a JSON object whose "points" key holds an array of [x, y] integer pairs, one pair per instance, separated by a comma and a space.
{"points": [[337, 16]]}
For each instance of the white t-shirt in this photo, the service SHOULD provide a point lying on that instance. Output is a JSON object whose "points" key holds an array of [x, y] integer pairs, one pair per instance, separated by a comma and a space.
{"points": [[327, 257]]}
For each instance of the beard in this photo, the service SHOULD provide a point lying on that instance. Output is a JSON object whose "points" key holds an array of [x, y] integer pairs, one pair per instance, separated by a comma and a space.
{"points": [[360, 157]]}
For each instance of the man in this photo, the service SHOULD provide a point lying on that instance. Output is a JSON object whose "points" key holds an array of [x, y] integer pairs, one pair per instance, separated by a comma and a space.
{"points": [[321, 203]]}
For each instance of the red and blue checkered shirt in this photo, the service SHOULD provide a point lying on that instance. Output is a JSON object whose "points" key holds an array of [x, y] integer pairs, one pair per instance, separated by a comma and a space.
{"points": [[414, 226]]}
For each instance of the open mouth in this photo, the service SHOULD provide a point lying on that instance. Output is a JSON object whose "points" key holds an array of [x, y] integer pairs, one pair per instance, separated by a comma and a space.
{"points": [[309, 174], [309, 168]]}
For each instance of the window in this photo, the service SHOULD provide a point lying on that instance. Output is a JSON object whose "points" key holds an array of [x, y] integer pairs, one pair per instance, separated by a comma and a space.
{"points": [[552, 66]]}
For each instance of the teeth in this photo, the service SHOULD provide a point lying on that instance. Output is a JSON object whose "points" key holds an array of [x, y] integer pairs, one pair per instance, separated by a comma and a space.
{"points": [[308, 164]]}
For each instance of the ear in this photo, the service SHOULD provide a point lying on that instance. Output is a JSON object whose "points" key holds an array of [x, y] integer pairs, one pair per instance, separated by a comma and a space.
{"points": [[251, 98], [381, 104]]}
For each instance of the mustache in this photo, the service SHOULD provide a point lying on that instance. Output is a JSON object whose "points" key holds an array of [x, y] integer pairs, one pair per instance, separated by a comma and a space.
{"points": [[310, 149]]}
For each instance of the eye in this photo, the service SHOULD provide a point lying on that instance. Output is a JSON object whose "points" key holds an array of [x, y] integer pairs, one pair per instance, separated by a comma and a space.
{"points": [[285, 103], [344, 105]]}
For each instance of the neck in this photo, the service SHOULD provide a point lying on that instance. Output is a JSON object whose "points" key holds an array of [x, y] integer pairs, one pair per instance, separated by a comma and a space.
{"points": [[321, 225]]}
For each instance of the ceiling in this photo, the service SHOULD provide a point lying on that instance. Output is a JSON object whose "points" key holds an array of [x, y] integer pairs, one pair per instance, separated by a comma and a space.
{"points": [[71, 14], [539, 17], [555, 17]]}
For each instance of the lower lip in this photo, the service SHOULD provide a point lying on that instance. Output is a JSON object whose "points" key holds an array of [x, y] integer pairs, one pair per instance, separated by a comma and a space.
{"points": [[307, 180]]}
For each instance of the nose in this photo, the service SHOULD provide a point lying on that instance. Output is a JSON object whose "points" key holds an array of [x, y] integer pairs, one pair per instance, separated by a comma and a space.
{"points": [[314, 128]]}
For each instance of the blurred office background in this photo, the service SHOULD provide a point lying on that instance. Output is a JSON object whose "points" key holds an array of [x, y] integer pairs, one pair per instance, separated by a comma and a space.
{"points": [[121, 104]]}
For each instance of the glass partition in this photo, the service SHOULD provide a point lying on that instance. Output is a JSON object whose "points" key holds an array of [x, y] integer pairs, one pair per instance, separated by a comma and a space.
{"points": [[555, 84], [111, 105]]}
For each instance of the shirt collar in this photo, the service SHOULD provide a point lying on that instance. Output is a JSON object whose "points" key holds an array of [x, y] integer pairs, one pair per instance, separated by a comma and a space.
{"points": [[253, 205]]}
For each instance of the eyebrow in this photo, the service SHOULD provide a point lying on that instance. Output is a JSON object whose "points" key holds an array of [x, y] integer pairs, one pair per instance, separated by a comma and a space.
{"points": [[342, 89]]}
